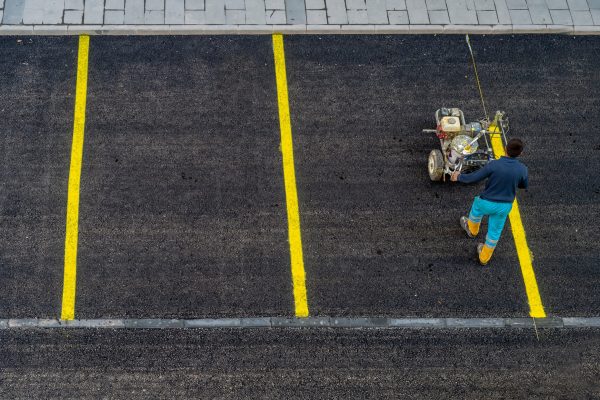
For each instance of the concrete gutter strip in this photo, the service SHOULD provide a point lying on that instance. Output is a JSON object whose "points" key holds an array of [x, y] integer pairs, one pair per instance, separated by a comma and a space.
{"points": [[57, 30], [311, 322]]}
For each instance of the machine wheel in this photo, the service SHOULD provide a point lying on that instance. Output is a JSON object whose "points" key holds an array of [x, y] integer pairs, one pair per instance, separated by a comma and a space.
{"points": [[435, 166]]}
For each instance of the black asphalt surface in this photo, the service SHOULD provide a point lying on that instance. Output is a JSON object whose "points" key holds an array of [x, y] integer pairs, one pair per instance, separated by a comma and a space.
{"points": [[37, 83], [300, 364], [182, 203], [183, 207]]}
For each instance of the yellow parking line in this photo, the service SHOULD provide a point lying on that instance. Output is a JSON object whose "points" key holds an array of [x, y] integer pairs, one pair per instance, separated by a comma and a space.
{"points": [[72, 226], [289, 175], [536, 309]]}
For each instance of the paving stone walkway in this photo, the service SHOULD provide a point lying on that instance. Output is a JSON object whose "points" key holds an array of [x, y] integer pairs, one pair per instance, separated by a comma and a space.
{"points": [[289, 16]]}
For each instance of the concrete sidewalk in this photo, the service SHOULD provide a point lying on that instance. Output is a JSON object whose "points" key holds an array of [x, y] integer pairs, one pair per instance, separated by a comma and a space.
{"points": [[298, 16]]}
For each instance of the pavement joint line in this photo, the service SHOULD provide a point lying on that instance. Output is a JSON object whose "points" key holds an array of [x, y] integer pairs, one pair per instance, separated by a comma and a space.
{"points": [[322, 322]]}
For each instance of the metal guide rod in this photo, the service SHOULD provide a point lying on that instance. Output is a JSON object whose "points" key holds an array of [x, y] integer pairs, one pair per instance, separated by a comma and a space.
{"points": [[477, 78]]}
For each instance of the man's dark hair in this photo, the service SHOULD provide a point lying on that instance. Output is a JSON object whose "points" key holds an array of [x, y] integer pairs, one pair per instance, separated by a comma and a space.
{"points": [[514, 147]]}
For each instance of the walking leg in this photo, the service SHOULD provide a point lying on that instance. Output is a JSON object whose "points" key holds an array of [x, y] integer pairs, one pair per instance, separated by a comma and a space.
{"points": [[495, 225]]}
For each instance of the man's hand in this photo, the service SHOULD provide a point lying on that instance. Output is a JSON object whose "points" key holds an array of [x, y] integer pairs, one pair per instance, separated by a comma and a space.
{"points": [[455, 176]]}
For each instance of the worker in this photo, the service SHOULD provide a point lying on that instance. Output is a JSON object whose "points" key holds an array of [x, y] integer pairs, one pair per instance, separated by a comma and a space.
{"points": [[504, 176]]}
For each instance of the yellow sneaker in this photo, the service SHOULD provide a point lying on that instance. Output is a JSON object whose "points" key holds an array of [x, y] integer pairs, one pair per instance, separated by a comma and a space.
{"points": [[485, 253]]}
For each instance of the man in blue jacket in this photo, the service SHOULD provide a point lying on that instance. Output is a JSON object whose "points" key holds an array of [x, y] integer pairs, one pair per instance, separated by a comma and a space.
{"points": [[504, 176]]}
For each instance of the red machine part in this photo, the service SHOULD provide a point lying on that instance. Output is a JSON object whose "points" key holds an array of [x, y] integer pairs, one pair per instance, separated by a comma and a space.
{"points": [[440, 133]]}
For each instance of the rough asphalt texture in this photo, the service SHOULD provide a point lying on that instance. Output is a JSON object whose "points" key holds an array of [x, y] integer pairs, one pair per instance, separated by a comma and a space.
{"points": [[37, 83], [379, 237], [300, 364], [182, 204], [182, 214]]}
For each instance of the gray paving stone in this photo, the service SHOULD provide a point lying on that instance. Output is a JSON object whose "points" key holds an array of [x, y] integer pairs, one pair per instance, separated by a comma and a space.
{"points": [[153, 323], [336, 12], [34, 12], [316, 17], [194, 4], [274, 4], [94, 323], [74, 17], [195, 17], [417, 11], [277, 322], [235, 17], [502, 12], [13, 11], [357, 17], [235, 4], [275, 17], [396, 4], [557, 4], [460, 13], [561, 17], [574, 322], [594, 4], [1, 6], [215, 12], [475, 322], [520, 17], [356, 4], [134, 12], [94, 12], [439, 17], [174, 12], [434, 5], [578, 5], [516, 4], [315, 4], [213, 323], [75, 4], [485, 5], [114, 5], [595, 16], [398, 17], [53, 11], [538, 3], [295, 12], [417, 322], [261, 322], [1, 16], [377, 12], [114, 17], [540, 15], [154, 17], [155, 5], [255, 12], [487, 17], [343, 322]]}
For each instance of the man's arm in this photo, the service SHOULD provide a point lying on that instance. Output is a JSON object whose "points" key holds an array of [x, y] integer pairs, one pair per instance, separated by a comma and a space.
{"points": [[476, 176]]}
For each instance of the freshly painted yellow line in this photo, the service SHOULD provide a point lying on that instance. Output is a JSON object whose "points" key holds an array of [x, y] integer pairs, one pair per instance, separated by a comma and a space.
{"points": [[72, 227], [536, 309], [289, 175]]}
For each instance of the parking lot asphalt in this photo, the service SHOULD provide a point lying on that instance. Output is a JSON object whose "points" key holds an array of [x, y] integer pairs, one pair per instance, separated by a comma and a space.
{"points": [[37, 84], [379, 237], [183, 210], [300, 364]]}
